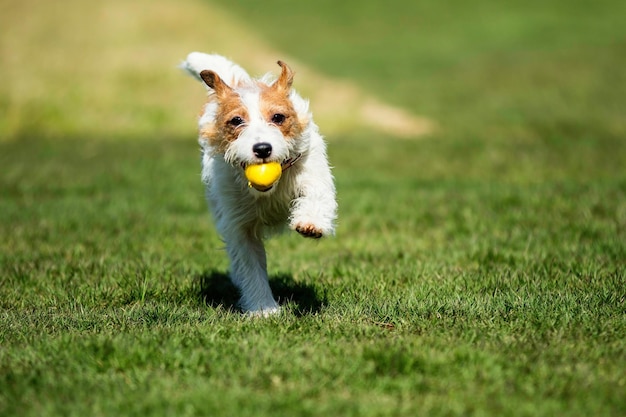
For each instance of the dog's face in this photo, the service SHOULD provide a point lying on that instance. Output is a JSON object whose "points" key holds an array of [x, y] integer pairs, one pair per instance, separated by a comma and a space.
{"points": [[253, 122]]}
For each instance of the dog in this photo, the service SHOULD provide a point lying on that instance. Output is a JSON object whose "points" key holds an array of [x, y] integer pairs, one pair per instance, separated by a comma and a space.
{"points": [[248, 122]]}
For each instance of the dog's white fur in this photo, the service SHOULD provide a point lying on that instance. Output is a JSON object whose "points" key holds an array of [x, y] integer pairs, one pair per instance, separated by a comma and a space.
{"points": [[303, 199]]}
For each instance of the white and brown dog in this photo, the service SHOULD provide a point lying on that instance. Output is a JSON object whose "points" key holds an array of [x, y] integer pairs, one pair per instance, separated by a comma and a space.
{"points": [[254, 121]]}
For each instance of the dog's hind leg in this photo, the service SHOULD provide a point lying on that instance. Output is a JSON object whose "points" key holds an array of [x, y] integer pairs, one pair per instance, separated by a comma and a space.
{"points": [[249, 272]]}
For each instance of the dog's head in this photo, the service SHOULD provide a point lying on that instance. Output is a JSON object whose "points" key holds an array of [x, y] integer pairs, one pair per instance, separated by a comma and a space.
{"points": [[253, 122]]}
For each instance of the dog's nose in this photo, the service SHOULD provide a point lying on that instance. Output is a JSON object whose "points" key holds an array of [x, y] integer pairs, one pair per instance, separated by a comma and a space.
{"points": [[262, 149]]}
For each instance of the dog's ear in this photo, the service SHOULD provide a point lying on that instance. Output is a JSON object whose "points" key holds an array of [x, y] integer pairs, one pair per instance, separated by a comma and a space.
{"points": [[215, 82], [285, 79]]}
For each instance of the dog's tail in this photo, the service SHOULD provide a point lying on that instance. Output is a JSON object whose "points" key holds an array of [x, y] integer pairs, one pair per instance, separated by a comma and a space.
{"points": [[231, 73]]}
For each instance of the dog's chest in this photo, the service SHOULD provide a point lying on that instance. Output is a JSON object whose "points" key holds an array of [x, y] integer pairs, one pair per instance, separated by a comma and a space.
{"points": [[273, 210]]}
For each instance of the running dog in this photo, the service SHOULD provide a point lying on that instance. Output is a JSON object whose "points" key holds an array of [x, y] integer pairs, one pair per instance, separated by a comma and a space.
{"points": [[265, 168]]}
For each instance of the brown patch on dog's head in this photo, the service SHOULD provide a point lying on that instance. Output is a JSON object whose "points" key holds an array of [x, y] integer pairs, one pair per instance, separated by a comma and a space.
{"points": [[277, 108], [214, 81], [286, 77], [231, 115]]}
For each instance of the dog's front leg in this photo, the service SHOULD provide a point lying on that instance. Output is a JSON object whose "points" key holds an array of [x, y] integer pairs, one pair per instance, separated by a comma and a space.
{"points": [[249, 272], [315, 209]]}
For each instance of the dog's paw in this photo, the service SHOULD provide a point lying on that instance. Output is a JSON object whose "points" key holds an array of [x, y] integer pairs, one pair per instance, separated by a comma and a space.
{"points": [[264, 313], [309, 230]]}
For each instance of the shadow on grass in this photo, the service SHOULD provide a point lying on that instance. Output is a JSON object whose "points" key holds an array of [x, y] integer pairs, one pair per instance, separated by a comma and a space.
{"points": [[216, 289]]}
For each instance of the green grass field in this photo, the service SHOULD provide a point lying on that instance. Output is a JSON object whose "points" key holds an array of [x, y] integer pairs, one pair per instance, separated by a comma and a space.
{"points": [[480, 270]]}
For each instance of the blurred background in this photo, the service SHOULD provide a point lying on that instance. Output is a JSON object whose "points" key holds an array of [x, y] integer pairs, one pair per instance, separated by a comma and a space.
{"points": [[520, 68], [110, 70]]}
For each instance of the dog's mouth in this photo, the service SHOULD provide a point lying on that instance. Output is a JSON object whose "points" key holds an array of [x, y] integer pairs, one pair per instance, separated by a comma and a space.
{"points": [[285, 164], [260, 188], [266, 181]]}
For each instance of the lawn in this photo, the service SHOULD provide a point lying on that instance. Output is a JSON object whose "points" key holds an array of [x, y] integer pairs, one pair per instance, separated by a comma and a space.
{"points": [[478, 270]]}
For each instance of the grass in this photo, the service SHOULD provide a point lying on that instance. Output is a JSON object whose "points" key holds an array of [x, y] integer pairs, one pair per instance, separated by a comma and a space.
{"points": [[478, 271]]}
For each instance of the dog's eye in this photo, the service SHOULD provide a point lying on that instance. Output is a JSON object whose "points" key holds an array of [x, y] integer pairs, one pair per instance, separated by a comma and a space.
{"points": [[235, 121], [278, 119]]}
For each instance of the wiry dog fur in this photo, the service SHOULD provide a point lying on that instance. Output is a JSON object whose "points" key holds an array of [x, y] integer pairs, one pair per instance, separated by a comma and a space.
{"points": [[240, 113]]}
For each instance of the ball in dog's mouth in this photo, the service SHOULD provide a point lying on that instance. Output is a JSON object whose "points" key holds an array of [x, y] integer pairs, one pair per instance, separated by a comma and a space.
{"points": [[263, 176]]}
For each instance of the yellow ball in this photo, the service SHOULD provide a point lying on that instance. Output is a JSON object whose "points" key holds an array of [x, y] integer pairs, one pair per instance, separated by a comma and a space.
{"points": [[263, 176]]}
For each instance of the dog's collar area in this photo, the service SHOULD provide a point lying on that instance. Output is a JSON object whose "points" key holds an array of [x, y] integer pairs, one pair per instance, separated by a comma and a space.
{"points": [[288, 163]]}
